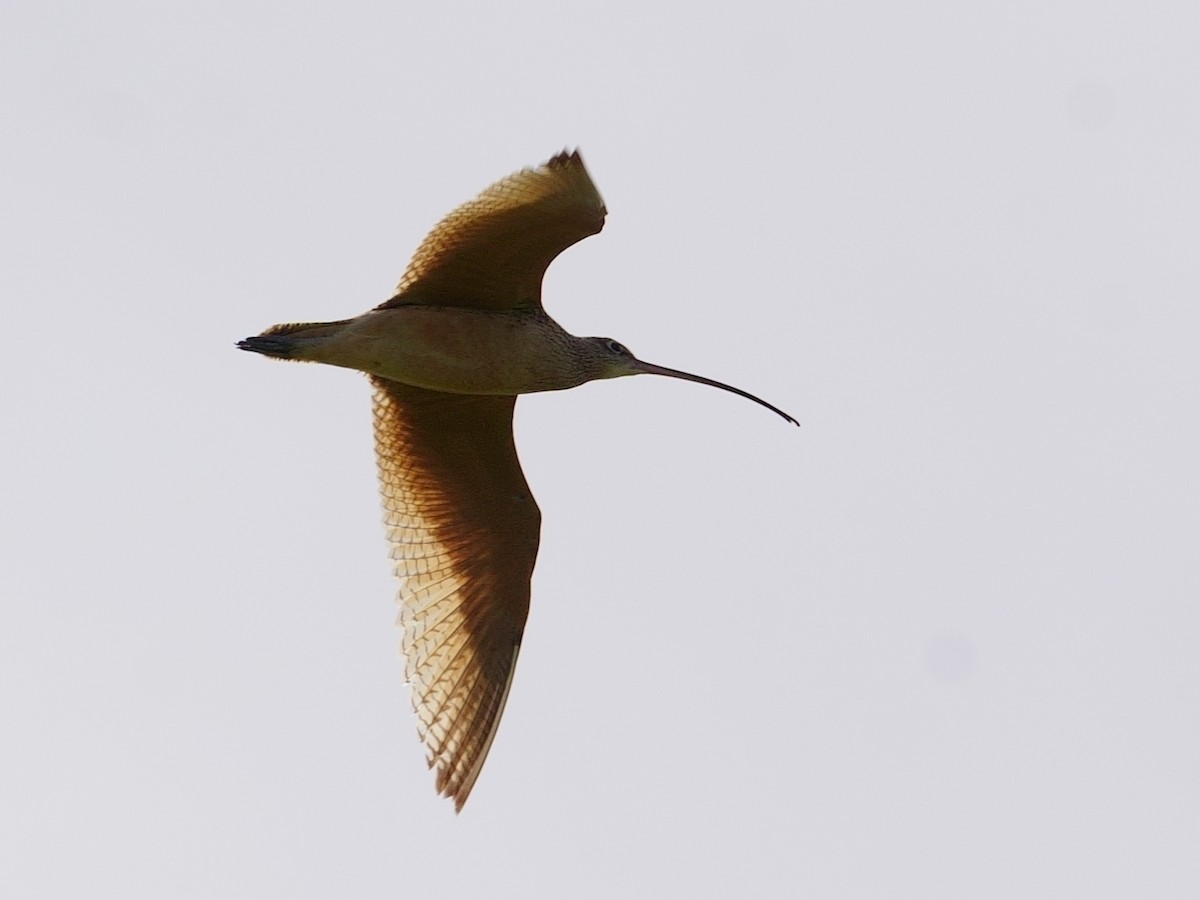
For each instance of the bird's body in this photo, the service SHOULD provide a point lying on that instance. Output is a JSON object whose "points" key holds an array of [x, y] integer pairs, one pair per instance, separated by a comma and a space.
{"points": [[465, 334], [451, 349]]}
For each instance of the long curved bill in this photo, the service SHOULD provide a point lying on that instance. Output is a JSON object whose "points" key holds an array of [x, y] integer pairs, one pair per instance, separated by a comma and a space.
{"points": [[651, 369]]}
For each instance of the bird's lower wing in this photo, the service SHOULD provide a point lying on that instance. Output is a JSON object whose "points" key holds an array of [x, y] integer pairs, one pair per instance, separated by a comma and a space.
{"points": [[464, 530]]}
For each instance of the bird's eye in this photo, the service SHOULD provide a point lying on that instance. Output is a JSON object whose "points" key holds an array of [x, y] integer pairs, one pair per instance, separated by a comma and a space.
{"points": [[617, 348]]}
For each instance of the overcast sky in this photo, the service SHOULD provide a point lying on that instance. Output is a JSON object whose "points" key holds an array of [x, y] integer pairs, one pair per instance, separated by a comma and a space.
{"points": [[940, 642]]}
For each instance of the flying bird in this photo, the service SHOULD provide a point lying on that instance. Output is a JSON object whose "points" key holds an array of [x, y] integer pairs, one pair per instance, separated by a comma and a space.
{"points": [[447, 355]]}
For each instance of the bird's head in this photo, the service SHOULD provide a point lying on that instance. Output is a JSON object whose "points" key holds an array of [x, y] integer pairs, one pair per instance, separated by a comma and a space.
{"points": [[611, 359]]}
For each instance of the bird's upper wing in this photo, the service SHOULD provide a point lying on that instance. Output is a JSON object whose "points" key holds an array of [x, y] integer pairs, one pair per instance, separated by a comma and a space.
{"points": [[464, 531], [492, 251]]}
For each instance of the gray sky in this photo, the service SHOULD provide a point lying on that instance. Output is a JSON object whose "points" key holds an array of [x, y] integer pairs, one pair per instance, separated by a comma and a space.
{"points": [[940, 642]]}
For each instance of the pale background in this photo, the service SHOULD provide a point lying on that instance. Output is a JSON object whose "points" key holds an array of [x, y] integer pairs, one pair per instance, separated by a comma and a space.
{"points": [[940, 642]]}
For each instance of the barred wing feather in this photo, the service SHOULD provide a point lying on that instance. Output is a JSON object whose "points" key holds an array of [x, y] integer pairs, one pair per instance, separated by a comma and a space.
{"points": [[491, 252], [464, 530]]}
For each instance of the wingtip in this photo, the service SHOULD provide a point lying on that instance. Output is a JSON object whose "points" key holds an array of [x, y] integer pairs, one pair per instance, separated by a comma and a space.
{"points": [[566, 158]]}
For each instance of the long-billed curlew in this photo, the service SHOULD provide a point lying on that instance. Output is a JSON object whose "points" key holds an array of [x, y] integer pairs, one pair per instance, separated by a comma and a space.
{"points": [[447, 355]]}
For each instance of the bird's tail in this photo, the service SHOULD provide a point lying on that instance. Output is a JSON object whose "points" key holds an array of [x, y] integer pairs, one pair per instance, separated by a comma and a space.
{"points": [[291, 341]]}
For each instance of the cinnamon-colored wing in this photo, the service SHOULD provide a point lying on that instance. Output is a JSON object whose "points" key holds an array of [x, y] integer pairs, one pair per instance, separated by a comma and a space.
{"points": [[492, 252], [464, 531]]}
